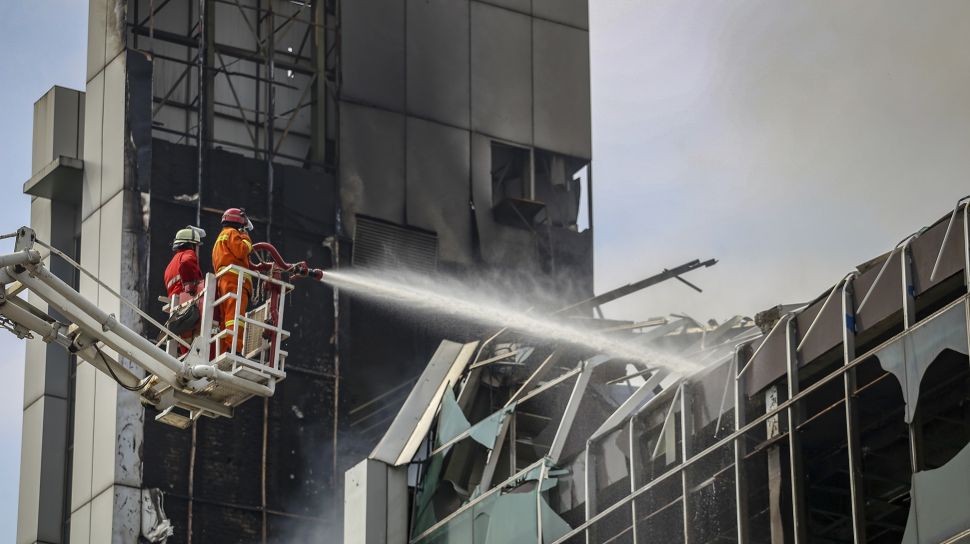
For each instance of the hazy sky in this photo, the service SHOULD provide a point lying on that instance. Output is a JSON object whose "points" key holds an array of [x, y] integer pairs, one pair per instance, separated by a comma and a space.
{"points": [[791, 141], [42, 43]]}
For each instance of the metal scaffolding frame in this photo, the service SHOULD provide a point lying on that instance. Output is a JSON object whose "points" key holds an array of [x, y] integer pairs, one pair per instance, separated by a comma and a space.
{"points": [[259, 78], [253, 76]]}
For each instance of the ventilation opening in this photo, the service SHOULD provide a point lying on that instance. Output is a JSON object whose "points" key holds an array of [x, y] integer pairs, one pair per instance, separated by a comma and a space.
{"points": [[380, 244]]}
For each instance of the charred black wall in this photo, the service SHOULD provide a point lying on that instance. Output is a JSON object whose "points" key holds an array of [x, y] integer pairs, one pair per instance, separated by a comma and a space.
{"points": [[404, 133], [287, 442]]}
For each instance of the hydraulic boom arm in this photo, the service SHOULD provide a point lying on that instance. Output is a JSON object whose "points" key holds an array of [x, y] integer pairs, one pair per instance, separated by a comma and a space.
{"points": [[183, 383]]}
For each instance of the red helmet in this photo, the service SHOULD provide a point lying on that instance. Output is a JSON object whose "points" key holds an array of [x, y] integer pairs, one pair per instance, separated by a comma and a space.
{"points": [[237, 217]]}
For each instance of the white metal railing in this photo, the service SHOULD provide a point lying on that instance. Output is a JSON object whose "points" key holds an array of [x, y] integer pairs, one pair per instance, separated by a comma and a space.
{"points": [[255, 344]]}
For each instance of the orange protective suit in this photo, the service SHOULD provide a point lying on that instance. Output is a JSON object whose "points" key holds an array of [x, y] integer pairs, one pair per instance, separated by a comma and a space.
{"points": [[233, 246]]}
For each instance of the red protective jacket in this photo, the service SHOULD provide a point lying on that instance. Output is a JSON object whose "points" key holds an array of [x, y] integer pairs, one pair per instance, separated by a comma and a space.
{"points": [[183, 274]]}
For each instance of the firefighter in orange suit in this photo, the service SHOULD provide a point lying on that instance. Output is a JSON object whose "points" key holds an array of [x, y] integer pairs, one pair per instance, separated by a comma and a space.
{"points": [[233, 246]]}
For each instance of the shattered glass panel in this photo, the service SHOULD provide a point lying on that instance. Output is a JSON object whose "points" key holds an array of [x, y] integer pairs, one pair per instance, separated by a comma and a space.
{"points": [[825, 464], [537, 420], [451, 421], [568, 498], [616, 527], [711, 498], [456, 531], [657, 434], [424, 514], [909, 357], [659, 513], [942, 422], [610, 460], [513, 516], [486, 431], [884, 445], [941, 498], [711, 406]]}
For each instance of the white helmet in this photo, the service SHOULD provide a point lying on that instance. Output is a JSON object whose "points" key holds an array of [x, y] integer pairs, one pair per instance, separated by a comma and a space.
{"points": [[188, 236]]}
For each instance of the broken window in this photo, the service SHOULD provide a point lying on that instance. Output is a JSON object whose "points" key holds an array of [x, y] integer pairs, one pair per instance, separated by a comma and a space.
{"points": [[942, 422], [765, 472], [511, 173], [513, 199], [531, 187], [536, 422], [559, 188], [709, 481], [820, 424], [884, 446], [657, 436], [609, 476]]}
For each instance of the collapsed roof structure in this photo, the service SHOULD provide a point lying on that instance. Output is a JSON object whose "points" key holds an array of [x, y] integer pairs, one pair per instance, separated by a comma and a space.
{"points": [[844, 419]]}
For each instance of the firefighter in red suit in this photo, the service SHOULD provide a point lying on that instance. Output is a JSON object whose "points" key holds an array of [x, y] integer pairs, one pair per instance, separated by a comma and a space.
{"points": [[183, 276]]}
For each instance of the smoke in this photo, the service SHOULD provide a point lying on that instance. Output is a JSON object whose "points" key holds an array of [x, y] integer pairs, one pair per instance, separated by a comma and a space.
{"points": [[792, 142], [445, 298]]}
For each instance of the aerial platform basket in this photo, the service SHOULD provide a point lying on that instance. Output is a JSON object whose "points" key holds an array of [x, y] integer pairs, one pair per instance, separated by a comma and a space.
{"points": [[184, 378], [255, 344]]}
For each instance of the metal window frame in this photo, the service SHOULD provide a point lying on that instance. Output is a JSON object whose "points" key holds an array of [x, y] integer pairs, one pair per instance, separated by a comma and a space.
{"points": [[754, 423]]}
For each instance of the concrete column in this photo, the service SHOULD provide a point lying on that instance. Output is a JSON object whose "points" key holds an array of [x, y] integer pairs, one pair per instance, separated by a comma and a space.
{"points": [[106, 480], [48, 382]]}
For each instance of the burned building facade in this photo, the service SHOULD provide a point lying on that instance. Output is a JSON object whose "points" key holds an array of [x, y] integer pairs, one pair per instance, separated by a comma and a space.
{"points": [[448, 135], [846, 419]]}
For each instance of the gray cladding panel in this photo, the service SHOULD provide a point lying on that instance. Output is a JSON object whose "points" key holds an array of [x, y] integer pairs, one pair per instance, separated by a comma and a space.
{"points": [[770, 363], [501, 73], [886, 297], [524, 6], [372, 52], [371, 163], [562, 95], [437, 60], [53, 469], [438, 166], [570, 12], [827, 332], [927, 247]]}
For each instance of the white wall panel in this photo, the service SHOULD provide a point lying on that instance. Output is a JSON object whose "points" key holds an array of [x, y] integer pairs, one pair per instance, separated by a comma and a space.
{"points": [[81, 525], [84, 393], [31, 442], [113, 132], [93, 108]]}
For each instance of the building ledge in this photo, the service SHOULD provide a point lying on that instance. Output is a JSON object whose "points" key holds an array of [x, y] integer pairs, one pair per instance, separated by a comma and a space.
{"points": [[59, 180], [517, 212]]}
